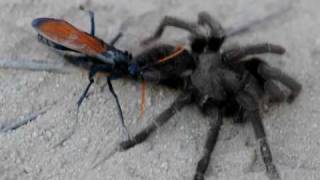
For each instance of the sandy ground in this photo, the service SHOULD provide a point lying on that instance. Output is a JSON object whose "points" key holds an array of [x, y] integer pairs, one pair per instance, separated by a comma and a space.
{"points": [[173, 151]]}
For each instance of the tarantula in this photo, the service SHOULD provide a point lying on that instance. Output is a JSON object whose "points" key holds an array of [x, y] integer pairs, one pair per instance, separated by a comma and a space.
{"points": [[223, 83]]}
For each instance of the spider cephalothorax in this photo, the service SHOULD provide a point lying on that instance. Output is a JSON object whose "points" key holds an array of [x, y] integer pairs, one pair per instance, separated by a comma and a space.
{"points": [[223, 82]]}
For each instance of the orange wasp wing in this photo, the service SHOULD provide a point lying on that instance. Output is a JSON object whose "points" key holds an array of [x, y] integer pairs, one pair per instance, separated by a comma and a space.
{"points": [[65, 34]]}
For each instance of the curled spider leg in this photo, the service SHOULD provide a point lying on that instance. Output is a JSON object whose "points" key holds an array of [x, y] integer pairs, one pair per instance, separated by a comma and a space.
{"points": [[216, 29], [215, 125], [269, 72], [174, 22], [250, 104], [181, 101], [235, 54], [215, 37], [260, 134], [273, 92]]}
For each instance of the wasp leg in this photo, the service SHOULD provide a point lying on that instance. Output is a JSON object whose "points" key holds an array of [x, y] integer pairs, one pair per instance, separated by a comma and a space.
{"points": [[175, 22], [269, 72], [177, 105], [119, 107], [235, 54], [92, 72], [215, 125], [250, 104]]}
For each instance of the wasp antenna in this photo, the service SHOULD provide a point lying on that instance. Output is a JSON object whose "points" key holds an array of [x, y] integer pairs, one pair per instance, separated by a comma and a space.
{"points": [[115, 39], [92, 21]]}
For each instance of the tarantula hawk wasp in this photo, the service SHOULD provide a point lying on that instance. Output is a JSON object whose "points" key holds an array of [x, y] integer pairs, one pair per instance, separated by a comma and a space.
{"points": [[100, 56], [224, 82]]}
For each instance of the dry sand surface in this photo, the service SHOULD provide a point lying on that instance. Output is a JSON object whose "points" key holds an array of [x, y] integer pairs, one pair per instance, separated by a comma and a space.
{"points": [[173, 151]]}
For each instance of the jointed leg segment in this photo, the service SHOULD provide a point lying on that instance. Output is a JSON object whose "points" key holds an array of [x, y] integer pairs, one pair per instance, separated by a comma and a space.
{"points": [[236, 54], [216, 29], [215, 125], [269, 72], [92, 22], [204, 18], [178, 104], [273, 91], [260, 134], [252, 115], [174, 22], [92, 72]]}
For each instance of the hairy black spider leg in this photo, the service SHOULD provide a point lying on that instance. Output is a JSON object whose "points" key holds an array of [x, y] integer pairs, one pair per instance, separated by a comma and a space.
{"points": [[239, 116], [235, 54], [181, 101], [255, 119], [269, 72], [248, 100], [216, 28], [174, 22], [215, 125]]}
